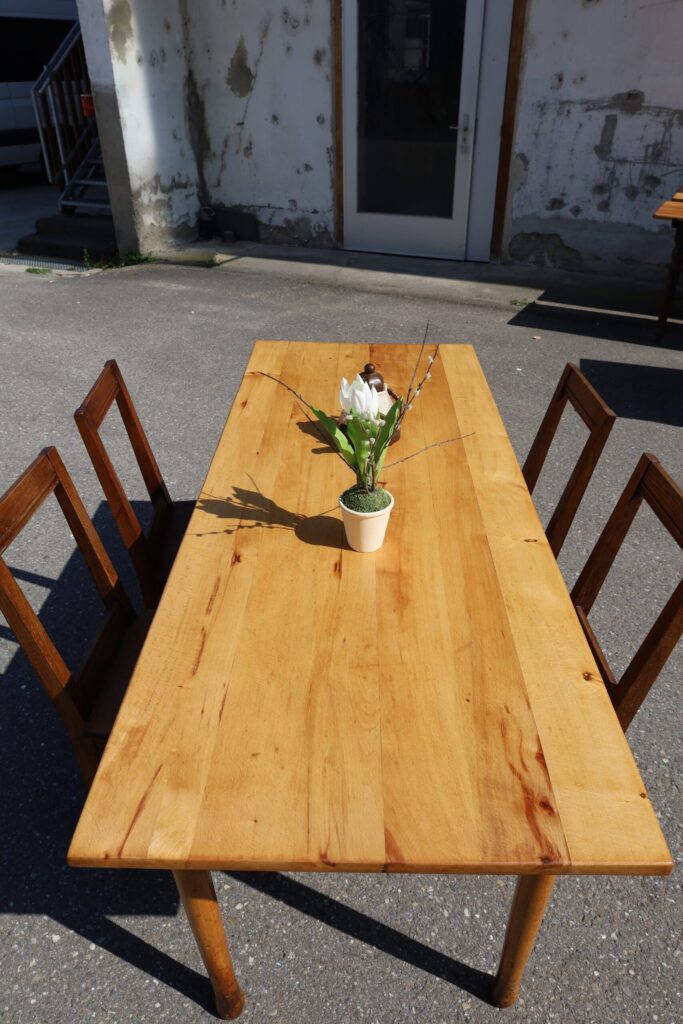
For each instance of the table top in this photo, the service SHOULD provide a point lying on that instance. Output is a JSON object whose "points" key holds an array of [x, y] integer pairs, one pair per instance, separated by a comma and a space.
{"points": [[432, 707], [672, 209]]}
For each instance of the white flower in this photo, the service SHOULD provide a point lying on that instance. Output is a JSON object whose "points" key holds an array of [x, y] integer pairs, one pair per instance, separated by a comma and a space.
{"points": [[359, 397], [430, 359], [428, 376]]}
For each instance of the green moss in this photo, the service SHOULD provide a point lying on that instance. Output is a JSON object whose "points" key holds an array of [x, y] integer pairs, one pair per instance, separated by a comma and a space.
{"points": [[359, 500]]}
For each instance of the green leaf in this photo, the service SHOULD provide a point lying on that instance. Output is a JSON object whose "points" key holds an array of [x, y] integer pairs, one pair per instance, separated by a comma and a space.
{"points": [[386, 432], [338, 437]]}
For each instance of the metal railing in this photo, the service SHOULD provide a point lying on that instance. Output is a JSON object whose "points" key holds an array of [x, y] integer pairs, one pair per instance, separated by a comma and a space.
{"points": [[66, 134]]}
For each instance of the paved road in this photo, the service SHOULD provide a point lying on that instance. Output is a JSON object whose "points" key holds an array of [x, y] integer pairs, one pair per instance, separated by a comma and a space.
{"points": [[111, 947]]}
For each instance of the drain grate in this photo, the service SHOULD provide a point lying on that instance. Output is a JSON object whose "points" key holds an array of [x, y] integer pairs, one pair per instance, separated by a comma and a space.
{"points": [[43, 262]]}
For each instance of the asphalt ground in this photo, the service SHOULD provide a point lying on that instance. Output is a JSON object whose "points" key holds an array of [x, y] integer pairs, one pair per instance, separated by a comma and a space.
{"points": [[114, 946]]}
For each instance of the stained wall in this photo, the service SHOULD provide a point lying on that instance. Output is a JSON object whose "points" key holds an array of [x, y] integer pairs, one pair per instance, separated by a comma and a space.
{"points": [[262, 75], [136, 54], [226, 103], [599, 135], [230, 103]]}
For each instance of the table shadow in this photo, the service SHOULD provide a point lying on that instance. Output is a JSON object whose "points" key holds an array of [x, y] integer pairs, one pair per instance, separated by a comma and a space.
{"points": [[250, 509], [637, 391], [41, 793], [366, 929], [597, 312]]}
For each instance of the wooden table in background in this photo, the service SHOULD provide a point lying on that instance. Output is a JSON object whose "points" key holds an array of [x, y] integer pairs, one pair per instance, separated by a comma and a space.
{"points": [[671, 210], [433, 707]]}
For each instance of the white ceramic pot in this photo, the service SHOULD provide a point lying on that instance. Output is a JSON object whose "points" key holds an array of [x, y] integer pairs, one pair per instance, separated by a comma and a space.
{"points": [[365, 530]]}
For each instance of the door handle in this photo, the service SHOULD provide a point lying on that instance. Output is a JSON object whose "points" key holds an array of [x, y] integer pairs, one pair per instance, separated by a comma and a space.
{"points": [[463, 129]]}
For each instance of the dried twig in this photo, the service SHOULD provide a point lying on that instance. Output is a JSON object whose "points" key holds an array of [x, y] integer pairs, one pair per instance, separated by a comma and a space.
{"points": [[417, 363], [436, 444], [412, 393]]}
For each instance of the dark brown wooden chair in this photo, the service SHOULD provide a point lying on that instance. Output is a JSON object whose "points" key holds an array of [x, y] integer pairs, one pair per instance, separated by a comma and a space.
{"points": [[652, 484], [152, 555], [576, 389], [88, 701]]}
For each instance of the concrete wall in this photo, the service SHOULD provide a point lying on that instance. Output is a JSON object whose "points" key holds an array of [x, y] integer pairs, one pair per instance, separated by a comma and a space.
{"points": [[136, 55], [599, 135], [230, 103], [219, 102], [263, 105]]}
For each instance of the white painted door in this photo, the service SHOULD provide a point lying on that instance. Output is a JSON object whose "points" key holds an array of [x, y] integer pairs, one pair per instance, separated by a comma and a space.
{"points": [[413, 123]]}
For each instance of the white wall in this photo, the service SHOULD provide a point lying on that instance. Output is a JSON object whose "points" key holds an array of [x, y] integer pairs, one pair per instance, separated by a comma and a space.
{"points": [[230, 102], [219, 102], [137, 61], [262, 72], [599, 134]]}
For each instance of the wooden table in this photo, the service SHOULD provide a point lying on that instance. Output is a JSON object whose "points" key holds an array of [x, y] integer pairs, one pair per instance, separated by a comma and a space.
{"points": [[671, 210], [433, 707]]}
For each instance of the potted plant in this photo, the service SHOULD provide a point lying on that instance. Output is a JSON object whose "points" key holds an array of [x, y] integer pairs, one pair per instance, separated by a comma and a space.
{"points": [[362, 444], [365, 506]]}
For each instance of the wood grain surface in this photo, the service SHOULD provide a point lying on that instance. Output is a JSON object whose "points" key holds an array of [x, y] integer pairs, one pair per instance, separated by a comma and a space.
{"points": [[672, 209], [432, 707]]}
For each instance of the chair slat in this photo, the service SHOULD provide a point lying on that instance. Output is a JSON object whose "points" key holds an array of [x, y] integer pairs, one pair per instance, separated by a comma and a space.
{"points": [[32, 635], [651, 483], [143, 551], [101, 396], [72, 695], [151, 474], [649, 659], [573, 387], [24, 497]]}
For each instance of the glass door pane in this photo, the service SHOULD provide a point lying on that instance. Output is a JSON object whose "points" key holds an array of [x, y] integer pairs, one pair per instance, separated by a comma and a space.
{"points": [[409, 72]]}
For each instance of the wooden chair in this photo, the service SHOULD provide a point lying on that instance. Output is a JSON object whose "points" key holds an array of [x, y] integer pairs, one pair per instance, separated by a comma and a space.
{"points": [[652, 484], [576, 389], [88, 701], [152, 555]]}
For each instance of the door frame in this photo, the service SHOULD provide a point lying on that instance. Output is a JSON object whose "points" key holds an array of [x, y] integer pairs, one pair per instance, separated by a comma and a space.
{"points": [[442, 237], [513, 78]]}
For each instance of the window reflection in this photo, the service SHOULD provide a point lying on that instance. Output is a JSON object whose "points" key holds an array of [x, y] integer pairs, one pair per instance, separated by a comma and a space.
{"points": [[409, 65]]}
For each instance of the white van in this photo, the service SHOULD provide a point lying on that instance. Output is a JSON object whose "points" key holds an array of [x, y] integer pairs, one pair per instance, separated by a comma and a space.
{"points": [[30, 32]]}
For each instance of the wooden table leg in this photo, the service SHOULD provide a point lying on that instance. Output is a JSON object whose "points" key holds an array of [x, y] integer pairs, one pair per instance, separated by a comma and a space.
{"points": [[672, 280], [528, 907], [199, 899]]}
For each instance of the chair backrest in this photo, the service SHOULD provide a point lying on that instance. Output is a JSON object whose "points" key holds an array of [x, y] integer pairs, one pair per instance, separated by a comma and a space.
{"points": [[576, 389], [652, 484], [72, 695], [109, 387]]}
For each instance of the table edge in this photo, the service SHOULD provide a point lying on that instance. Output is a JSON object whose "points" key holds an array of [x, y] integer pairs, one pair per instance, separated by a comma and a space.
{"points": [[635, 868]]}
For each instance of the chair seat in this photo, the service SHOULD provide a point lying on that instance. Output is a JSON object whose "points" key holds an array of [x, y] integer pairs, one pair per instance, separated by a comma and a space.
{"points": [[113, 688], [112, 691], [181, 512]]}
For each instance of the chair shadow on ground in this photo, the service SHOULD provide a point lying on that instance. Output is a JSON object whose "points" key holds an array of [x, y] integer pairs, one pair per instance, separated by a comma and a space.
{"points": [[43, 797], [637, 392], [366, 929], [42, 794]]}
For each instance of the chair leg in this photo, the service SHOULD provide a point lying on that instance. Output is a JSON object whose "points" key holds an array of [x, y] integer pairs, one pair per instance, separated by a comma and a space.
{"points": [[528, 907], [672, 281], [199, 899]]}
